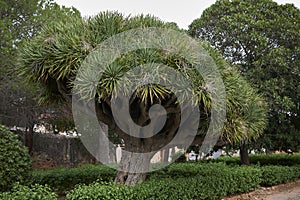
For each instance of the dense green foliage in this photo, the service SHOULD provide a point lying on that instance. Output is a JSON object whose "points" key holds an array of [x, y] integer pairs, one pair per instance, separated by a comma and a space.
{"points": [[283, 159], [63, 179], [16, 22], [262, 38], [102, 190], [19, 21], [262, 160], [15, 162], [22, 19], [192, 181], [274, 175], [34, 192], [210, 181]]}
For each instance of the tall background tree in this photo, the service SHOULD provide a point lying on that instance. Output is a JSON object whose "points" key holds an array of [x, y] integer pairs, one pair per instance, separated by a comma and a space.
{"points": [[262, 38], [21, 20], [54, 56]]}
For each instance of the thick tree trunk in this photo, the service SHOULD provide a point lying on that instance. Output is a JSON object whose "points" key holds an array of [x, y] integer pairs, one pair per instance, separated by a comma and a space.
{"points": [[133, 167], [166, 155], [29, 139], [244, 154]]}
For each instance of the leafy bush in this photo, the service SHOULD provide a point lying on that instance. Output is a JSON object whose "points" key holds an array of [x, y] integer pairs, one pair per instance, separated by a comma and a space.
{"points": [[274, 175], [179, 181], [101, 190], [238, 179], [276, 159], [261, 159], [14, 158], [63, 179], [35, 192]]}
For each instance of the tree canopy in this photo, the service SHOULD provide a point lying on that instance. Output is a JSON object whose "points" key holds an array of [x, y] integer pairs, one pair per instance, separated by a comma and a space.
{"points": [[261, 38], [17, 23], [54, 56], [21, 20]]}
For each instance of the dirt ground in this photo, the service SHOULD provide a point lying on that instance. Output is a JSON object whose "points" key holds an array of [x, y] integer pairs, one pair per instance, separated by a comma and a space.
{"points": [[290, 191]]}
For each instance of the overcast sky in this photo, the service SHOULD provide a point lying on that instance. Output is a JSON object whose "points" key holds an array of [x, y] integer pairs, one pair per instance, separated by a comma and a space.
{"points": [[181, 12]]}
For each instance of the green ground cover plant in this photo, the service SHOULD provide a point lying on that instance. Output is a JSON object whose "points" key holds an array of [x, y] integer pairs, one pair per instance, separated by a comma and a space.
{"points": [[33, 192]]}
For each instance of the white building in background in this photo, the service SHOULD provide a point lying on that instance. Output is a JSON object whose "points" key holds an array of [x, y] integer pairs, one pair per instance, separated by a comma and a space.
{"points": [[160, 156], [217, 154], [192, 156], [118, 153]]}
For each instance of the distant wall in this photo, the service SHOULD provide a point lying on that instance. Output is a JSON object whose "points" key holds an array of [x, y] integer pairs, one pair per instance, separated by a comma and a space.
{"points": [[63, 150], [60, 150]]}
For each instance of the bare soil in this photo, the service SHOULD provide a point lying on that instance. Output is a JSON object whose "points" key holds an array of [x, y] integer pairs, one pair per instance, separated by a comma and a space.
{"points": [[42, 161], [289, 191]]}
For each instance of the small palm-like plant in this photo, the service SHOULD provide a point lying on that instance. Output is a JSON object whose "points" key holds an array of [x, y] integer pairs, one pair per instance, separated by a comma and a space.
{"points": [[53, 58]]}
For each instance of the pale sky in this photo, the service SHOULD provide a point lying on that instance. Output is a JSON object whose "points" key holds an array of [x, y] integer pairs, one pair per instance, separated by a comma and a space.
{"points": [[181, 12]]}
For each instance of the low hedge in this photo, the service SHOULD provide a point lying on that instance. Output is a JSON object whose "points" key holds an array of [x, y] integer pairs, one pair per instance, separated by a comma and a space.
{"points": [[200, 186], [177, 181], [192, 181], [33, 192], [276, 159], [274, 175], [210, 181], [261, 159], [62, 179]]}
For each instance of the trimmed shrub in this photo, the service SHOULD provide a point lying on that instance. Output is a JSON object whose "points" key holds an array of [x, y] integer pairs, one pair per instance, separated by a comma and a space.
{"points": [[14, 158], [275, 159], [63, 179], [101, 190], [179, 181], [274, 175], [218, 176], [34, 192], [261, 159]]}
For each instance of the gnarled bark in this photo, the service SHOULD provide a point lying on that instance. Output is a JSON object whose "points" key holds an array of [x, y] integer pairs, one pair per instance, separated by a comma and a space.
{"points": [[133, 167]]}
